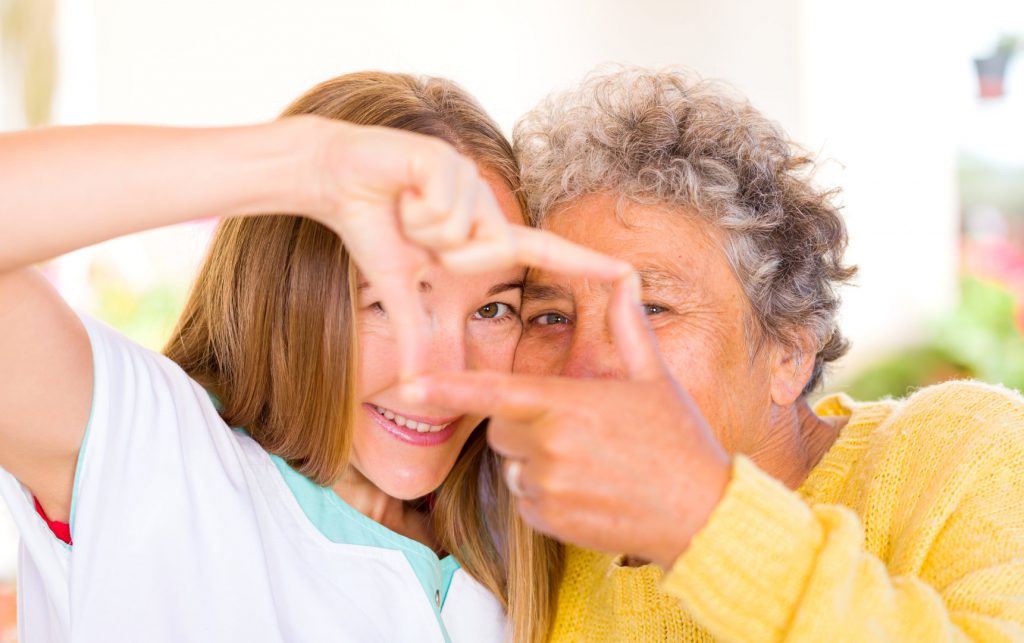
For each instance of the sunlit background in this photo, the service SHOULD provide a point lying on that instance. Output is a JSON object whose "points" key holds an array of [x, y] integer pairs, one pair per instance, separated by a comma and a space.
{"points": [[919, 107]]}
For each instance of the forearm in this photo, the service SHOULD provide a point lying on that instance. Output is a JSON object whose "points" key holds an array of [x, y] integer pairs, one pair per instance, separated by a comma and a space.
{"points": [[66, 188]]}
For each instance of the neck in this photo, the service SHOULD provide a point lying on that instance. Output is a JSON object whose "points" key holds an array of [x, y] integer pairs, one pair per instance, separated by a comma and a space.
{"points": [[395, 514], [795, 442]]}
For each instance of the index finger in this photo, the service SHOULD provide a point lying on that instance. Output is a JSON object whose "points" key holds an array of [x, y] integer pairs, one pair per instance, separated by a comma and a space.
{"points": [[538, 248], [631, 333], [486, 393], [410, 322], [543, 249]]}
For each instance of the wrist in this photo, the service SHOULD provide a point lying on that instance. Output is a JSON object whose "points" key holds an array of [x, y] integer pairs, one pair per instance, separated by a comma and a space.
{"points": [[306, 141], [689, 516]]}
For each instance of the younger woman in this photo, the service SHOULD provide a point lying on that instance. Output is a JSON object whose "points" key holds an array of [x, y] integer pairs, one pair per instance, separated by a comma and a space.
{"points": [[265, 481]]}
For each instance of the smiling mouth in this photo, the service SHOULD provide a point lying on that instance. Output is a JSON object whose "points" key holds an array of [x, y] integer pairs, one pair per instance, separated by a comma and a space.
{"points": [[415, 424]]}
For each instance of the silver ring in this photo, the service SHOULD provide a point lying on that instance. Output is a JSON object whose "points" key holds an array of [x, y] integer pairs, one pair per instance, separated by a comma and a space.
{"points": [[513, 477]]}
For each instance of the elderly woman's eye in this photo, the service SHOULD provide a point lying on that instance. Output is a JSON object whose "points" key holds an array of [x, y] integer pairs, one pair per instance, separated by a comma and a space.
{"points": [[493, 310], [550, 319], [654, 309]]}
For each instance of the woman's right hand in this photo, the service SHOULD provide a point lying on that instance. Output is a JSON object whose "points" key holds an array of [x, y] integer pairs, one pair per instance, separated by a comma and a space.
{"points": [[401, 201]]}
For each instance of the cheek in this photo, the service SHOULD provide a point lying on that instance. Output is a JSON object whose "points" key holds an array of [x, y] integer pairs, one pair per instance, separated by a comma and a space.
{"points": [[489, 348], [718, 374], [377, 365], [700, 362], [541, 351]]}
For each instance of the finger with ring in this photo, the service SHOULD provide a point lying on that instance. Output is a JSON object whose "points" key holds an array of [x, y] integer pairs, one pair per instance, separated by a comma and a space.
{"points": [[513, 477]]}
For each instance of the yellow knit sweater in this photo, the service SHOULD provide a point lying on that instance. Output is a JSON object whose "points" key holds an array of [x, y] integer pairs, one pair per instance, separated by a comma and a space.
{"points": [[911, 528]]}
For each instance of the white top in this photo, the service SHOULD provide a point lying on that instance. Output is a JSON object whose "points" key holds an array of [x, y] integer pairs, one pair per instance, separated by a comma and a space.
{"points": [[185, 530]]}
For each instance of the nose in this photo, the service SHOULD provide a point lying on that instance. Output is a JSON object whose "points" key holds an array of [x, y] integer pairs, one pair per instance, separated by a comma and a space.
{"points": [[592, 352]]}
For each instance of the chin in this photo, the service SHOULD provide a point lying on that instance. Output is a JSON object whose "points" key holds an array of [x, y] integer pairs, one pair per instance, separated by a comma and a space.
{"points": [[413, 485]]}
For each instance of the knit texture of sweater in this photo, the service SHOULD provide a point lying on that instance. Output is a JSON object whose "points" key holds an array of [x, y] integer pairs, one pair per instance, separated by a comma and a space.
{"points": [[911, 528]]}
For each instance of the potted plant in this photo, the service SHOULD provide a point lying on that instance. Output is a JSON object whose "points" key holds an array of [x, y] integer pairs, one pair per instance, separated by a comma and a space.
{"points": [[992, 69]]}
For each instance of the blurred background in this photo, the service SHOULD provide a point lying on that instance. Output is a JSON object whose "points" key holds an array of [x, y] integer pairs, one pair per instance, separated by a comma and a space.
{"points": [[917, 108]]}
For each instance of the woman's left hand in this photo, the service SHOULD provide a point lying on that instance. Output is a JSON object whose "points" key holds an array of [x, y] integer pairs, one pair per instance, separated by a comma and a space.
{"points": [[620, 466]]}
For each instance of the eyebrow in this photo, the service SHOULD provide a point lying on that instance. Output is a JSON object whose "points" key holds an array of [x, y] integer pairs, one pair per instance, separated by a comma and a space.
{"points": [[544, 292], [655, 279], [649, 279], [497, 289]]}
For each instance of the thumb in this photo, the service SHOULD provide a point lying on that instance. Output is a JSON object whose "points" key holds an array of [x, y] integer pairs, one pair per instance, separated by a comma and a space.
{"points": [[632, 336]]}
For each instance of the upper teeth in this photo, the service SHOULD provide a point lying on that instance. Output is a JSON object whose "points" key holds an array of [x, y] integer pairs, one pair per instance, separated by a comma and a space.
{"points": [[421, 427]]}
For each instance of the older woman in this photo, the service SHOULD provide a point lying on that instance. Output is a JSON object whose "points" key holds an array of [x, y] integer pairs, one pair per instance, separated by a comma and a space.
{"points": [[678, 431]]}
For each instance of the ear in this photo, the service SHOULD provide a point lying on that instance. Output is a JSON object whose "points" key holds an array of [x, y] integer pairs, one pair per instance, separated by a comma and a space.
{"points": [[791, 368]]}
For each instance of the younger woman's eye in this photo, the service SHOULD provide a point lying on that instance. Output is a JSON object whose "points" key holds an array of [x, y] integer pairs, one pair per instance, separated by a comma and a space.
{"points": [[378, 308], [493, 310], [550, 319]]}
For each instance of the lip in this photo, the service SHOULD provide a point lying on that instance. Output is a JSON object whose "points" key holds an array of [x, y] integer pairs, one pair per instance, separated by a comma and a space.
{"points": [[411, 436]]}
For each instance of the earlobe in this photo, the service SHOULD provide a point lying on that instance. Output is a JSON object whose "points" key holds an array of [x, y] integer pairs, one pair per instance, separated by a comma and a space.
{"points": [[791, 370]]}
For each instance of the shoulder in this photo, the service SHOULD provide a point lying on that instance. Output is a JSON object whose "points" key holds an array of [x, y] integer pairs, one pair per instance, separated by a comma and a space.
{"points": [[942, 429], [966, 412], [956, 395], [125, 370], [111, 348], [139, 392]]}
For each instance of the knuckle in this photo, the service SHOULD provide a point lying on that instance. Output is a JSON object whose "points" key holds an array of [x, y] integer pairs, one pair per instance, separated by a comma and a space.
{"points": [[498, 436], [550, 481], [453, 233], [552, 445]]}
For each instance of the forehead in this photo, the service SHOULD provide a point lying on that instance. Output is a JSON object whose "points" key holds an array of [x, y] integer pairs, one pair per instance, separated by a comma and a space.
{"points": [[503, 194], [664, 244]]}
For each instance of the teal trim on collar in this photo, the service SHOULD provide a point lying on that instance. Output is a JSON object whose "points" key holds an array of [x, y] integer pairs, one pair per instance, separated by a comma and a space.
{"points": [[339, 522], [85, 438]]}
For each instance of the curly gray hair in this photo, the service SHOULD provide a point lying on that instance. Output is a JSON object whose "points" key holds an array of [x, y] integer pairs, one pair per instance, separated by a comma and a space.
{"points": [[666, 137]]}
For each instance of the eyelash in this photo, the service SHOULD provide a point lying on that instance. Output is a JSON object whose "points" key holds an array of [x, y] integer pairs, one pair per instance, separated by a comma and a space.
{"points": [[511, 314], [535, 320]]}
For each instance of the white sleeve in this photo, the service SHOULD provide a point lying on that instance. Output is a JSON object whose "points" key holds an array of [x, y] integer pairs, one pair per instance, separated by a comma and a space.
{"points": [[153, 457], [153, 453]]}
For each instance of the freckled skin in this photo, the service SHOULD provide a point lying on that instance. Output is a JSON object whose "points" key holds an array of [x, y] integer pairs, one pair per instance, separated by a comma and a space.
{"points": [[697, 312]]}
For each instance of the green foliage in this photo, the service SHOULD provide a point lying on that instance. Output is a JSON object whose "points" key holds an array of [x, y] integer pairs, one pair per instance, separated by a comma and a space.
{"points": [[979, 339], [148, 316], [987, 184], [1008, 44], [983, 334]]}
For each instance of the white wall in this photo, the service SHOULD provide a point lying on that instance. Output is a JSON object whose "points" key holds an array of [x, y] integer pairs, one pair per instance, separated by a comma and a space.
{"points": [[861, 83], [199, 62], [880, 89]]}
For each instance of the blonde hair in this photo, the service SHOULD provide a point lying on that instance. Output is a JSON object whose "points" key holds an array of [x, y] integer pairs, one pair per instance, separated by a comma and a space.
{"points": [[667, 137], [268, 329]]}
